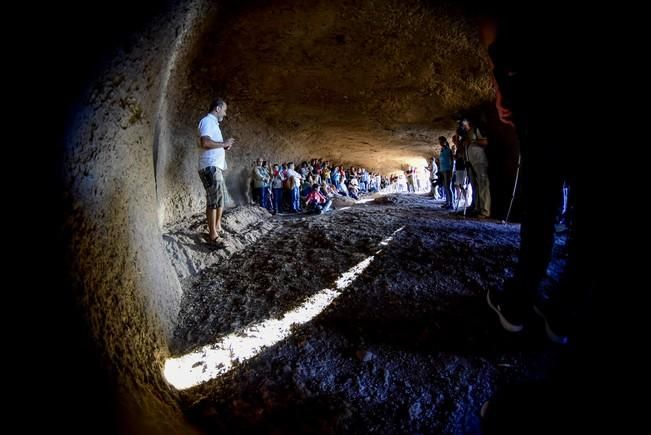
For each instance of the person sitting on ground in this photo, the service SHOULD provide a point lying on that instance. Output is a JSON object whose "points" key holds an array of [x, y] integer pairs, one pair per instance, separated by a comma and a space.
{"points": [[353, 188], [316, 202], [353, 185], [328, 190], [343, 189]]}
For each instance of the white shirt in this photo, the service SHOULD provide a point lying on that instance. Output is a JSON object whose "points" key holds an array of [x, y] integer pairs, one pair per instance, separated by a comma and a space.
{"points": [[209, 126], [296, 175]]}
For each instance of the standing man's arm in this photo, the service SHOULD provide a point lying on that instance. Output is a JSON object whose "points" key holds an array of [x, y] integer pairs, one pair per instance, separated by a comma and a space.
{"points": [[208, 143]]}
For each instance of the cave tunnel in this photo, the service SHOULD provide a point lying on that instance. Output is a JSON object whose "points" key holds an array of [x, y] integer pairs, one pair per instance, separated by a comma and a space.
{"points": [[372, 317]]}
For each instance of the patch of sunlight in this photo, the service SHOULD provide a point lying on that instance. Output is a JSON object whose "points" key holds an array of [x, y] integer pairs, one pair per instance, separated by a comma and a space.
{"points": [[216, 359], [386, 241]]}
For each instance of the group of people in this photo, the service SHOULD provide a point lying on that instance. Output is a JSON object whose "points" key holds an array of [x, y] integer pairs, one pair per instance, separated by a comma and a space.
{"points": [[285, 188], [462, 171]]}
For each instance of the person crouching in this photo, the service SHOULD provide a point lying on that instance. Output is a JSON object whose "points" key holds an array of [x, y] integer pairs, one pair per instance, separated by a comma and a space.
{"points": [[316, 202]]}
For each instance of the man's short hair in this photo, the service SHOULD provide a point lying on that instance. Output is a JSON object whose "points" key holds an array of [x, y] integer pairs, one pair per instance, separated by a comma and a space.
{"points": [[217, 102], [315, 185]]}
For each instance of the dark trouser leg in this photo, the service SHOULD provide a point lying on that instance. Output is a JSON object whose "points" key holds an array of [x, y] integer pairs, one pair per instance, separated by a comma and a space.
{"points": [[278, 200], [542, 185], [257, 194], [264, 197], [446, 175]]}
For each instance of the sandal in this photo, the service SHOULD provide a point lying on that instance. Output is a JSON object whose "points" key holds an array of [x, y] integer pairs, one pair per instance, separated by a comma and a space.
{"points": [[217, 241]]}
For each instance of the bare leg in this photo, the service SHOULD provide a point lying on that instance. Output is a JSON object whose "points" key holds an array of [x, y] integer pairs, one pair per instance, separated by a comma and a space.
{"points": [[218, 219], [211, 215]]}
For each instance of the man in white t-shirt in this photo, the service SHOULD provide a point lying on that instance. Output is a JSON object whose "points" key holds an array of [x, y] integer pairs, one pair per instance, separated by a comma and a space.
{"points": [[212, 163]]}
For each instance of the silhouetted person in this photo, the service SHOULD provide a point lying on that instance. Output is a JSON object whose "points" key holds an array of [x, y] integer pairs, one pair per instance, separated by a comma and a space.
{"points": [[522, 102], [533, 93]]}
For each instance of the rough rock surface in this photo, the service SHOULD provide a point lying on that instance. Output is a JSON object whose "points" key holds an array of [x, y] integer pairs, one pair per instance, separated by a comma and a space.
{"points": [[409, 347]]}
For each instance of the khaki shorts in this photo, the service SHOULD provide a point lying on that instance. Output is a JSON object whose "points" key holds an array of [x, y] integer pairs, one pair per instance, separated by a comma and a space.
{"points": [[213, 181]]}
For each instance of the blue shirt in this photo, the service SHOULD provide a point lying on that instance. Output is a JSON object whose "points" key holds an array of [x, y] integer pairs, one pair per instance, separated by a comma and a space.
{"points": [[445, 159]]}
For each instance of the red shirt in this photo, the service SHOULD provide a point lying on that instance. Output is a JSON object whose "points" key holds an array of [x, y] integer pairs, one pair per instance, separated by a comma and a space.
{"points": [[316, 197]]}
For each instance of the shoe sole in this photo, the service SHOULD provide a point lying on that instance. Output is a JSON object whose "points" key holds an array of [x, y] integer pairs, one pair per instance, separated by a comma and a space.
{"points": [[558, 339], [508, 326]]}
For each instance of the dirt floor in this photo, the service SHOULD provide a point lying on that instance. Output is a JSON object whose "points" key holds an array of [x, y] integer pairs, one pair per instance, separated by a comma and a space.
{"points": [[409, 347]]}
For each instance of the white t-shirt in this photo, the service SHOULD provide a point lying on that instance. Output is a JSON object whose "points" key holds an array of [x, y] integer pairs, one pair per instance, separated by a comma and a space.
{"points": [[209, 126], [296, 175]]}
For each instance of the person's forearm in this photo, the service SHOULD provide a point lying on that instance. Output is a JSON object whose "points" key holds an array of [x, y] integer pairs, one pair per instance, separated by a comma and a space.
{"points": [[211, 144]]}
